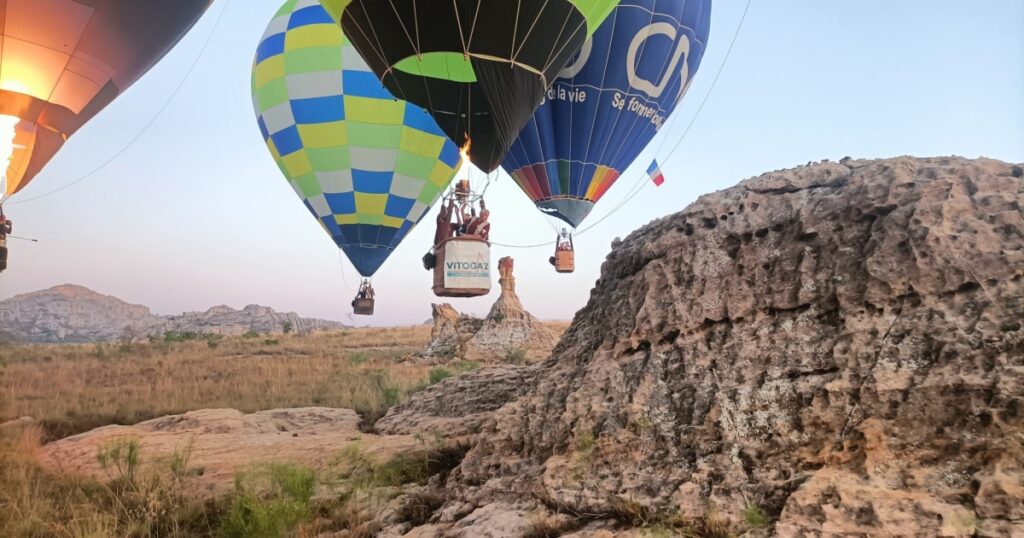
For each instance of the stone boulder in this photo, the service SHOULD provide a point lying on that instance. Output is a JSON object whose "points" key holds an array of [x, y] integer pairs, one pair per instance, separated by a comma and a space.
{"points": [[839, 345]]}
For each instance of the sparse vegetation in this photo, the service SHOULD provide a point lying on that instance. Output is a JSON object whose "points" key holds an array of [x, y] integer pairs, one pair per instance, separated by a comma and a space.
{"points": [[418, 506], [269, 501], [438, 375], [756, 518], [137, 378], [545, 526], [136, 501], [585, 443], [515, 355]]}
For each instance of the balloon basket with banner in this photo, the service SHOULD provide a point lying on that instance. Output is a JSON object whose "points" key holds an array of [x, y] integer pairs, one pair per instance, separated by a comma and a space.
{"points": [[565, 261], [463, 267], [362, 307]]}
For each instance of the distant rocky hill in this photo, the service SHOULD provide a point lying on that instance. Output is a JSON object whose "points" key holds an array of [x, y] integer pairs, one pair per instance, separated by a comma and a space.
{"points": [[74, 314]]}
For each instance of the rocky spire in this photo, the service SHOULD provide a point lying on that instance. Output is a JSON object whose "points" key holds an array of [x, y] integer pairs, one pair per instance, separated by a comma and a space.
{"points": [[509, 332]]}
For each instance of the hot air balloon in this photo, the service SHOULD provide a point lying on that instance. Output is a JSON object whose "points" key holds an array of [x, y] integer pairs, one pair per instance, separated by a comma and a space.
{"points": [[608, 103], [368, 166], [63, 61], [480, 68]]}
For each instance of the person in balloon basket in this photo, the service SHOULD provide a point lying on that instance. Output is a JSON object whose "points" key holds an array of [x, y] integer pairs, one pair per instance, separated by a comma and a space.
{"points": [[479, 226], [6, 227], [444, 231], [365, 292], [562, 243]]}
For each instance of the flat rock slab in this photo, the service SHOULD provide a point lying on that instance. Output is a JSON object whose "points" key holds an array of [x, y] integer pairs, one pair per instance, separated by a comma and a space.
{"points": [[225, 440]]}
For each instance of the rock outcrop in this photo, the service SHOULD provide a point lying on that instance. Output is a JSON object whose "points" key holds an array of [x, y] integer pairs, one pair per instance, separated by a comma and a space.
{"points": [[457, 407], [450, 333], [74, 314], [508, 332], [255, 318], [839, 345]]}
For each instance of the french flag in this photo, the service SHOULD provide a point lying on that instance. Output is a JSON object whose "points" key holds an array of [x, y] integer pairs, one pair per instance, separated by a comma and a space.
{"points": [[655, 172]]}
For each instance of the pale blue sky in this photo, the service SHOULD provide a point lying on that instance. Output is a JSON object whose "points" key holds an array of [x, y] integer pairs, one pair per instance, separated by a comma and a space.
{"points": [[197, 214]]}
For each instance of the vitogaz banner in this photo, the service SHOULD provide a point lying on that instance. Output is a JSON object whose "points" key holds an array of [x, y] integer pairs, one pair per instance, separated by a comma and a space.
{"points": [[467, 265]]}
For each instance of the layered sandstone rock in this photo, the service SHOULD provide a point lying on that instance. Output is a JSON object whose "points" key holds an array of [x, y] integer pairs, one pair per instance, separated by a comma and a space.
{"points": [[839, 344], [458, 406]]}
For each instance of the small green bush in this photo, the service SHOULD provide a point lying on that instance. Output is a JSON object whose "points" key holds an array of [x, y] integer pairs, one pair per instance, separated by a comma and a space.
{"points": [[585, 443], [467, 366], [357, 359], [438, 375], [120, 459], [269, 502], [755, 517], [515, 355]]}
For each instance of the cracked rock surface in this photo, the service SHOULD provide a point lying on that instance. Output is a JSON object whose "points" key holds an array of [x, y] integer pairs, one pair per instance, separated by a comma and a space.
{"points": [[839, 344]]}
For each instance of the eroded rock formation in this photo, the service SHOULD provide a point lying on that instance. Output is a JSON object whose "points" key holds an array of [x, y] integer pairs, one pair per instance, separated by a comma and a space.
{"points": [[508, 328], [508, 333], [839, 344], [450, 333]]}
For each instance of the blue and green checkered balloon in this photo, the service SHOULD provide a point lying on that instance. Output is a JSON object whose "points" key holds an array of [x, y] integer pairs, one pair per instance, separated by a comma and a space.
{"points": [[368, 166]]}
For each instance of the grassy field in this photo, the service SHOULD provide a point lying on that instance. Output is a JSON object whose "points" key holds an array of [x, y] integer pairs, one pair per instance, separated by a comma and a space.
{"points": [[73, 388], [70, 389]]}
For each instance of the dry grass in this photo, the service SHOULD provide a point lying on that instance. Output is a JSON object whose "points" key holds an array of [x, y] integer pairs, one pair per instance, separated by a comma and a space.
{"points": [[73, 388]]}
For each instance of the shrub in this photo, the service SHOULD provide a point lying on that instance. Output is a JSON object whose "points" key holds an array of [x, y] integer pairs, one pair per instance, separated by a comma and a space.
{"points": [[545, 526], [515, 355], [269, 502], [755, 517], [585, 443], [287, 327], [438, 375], [417, 507], [358, 359], [467, 366], [120, 459]]}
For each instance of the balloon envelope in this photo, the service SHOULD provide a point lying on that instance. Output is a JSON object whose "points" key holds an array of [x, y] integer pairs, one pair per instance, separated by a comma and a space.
{"points": [[608, 103], [63, 61], [366, 165], [479, 67]]}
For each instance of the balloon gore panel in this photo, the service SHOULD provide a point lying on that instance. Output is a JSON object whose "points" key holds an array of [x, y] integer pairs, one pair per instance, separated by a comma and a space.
{"points": [[368, 166], [607, 104]]}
